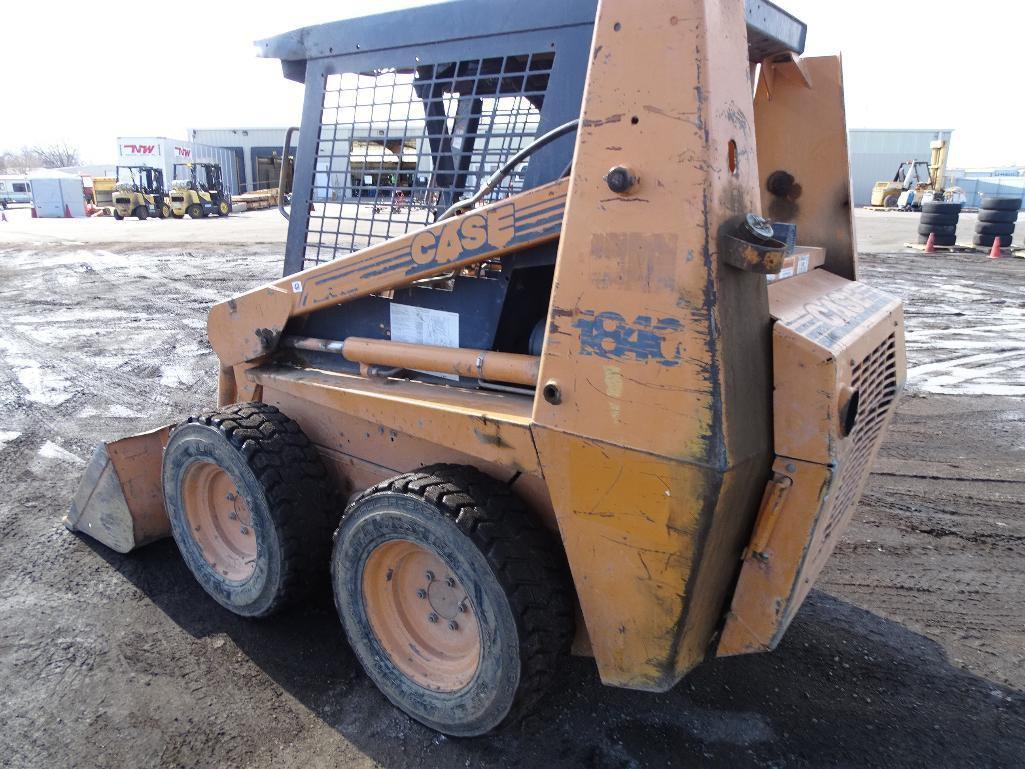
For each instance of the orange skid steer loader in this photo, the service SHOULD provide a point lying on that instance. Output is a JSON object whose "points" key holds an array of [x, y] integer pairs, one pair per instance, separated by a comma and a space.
{"points": [[575, 392]]}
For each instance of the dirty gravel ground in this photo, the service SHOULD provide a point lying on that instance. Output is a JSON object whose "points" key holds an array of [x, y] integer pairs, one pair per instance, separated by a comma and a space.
{"points": [[911, 652]]}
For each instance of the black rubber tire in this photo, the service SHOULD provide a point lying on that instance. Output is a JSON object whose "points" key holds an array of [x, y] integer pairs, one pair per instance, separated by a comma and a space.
{"points": [[165, 211], [176, 216], [987, 240], [196, 211], [140, 213], [946, 209], [513, 567], [890, 201], [939, 230], [995, 203], [994, 228], [117, 215], [927, 218], [986, 215], [939, 240], [282, 479], [227, 212]]}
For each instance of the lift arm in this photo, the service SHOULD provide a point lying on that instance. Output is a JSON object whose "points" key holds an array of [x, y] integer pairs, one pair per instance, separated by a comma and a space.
{"points": [[248, 327]]}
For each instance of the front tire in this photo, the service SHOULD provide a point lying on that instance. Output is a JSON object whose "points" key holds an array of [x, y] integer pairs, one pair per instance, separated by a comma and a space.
{"points": [[165, 211], [455, 602], [196, 211], [117, 215], [250, 506], [141, 213], [223, 209]]}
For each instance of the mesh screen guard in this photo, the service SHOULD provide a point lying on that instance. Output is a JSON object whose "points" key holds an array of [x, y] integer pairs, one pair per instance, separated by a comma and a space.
{"points": [[398, 146]]}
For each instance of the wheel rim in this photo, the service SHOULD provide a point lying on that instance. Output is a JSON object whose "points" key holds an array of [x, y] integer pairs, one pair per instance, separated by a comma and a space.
{"points": [[421, 615], [219, 520]]}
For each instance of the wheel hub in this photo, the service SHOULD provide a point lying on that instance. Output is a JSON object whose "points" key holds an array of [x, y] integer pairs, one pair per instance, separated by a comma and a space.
{"points": [[421, 615], [220, 520]]}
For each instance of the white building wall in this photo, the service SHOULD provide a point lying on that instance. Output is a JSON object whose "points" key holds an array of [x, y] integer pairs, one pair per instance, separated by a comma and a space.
{"points": [[264, 141], [875, 154]]}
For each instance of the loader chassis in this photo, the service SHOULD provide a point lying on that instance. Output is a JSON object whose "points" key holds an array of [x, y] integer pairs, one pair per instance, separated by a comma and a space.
{"points": [[695, 438]]}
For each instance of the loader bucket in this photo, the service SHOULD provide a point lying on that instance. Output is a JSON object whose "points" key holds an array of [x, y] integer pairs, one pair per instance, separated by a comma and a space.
{"points": [[120, 501]]}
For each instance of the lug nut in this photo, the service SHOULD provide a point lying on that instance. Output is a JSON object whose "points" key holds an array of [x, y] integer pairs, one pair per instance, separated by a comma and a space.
{"points": [[450, 581], [432, 618], [244, 529], [230, 497], [462, 607], [453, 625], [421, 593], [233, 515], [430, 575]]}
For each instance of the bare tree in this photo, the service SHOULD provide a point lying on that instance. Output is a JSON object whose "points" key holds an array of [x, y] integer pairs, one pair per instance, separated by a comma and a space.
{"points": [[19, 162], [57, 155]]}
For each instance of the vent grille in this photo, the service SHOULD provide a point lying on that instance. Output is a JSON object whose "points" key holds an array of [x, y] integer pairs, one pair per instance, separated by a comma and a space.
{"points": [[398, 146], [875, 379]]}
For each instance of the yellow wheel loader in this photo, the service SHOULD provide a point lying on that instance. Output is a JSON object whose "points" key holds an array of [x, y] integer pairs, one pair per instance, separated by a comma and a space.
{"points": [[569, 393], [198, 190], [139, 191]]}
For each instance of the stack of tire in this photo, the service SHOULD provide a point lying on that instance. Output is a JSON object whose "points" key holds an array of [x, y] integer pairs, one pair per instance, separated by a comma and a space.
{"points": [[940, 221], [996, 220]]}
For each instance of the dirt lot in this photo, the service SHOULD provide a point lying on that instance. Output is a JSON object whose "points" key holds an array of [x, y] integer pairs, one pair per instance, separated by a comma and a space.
{"points": [[910, 654]]}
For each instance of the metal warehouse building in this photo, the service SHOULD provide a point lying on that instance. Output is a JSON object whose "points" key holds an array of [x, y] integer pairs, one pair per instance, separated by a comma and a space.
{"points": [[876, 153], [257, 152]]}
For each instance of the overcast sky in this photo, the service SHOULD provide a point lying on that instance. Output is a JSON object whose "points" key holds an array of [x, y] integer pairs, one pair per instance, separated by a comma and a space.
{"points": [[89, 72]]}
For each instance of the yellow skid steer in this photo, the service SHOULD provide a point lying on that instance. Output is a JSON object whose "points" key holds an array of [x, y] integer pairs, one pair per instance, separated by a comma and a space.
{"points": [[569, 353]]}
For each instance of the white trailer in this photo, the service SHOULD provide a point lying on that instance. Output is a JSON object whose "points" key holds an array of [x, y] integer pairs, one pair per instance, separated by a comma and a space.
{"points": [[57, 195], [162, 152]]}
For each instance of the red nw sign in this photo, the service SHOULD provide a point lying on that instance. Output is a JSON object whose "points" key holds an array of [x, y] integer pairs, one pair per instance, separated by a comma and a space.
{"points": [[139, 149]]}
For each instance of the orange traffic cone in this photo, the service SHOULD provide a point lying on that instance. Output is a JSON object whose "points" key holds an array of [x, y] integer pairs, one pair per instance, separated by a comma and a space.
{"points": [[930, 243], [994, 253]]}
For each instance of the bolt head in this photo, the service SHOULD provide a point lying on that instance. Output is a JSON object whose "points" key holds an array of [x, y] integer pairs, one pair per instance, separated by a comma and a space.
{"points": [[620, 179], [421, 593], [450, 581], [233, 515], [453, 625], [462, 607], [429, 575], [432, 618], [244, 529]]}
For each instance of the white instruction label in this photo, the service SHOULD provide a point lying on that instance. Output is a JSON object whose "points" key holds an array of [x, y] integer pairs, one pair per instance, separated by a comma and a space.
{"points": [[419, 325], [802, 263], [297, 286]]}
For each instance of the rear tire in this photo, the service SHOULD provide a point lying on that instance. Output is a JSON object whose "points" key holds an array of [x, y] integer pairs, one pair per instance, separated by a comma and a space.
{"points": [[117, 215], [196, 211], [506, 572], [141, 213], [250, 506], [891, 201]]}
